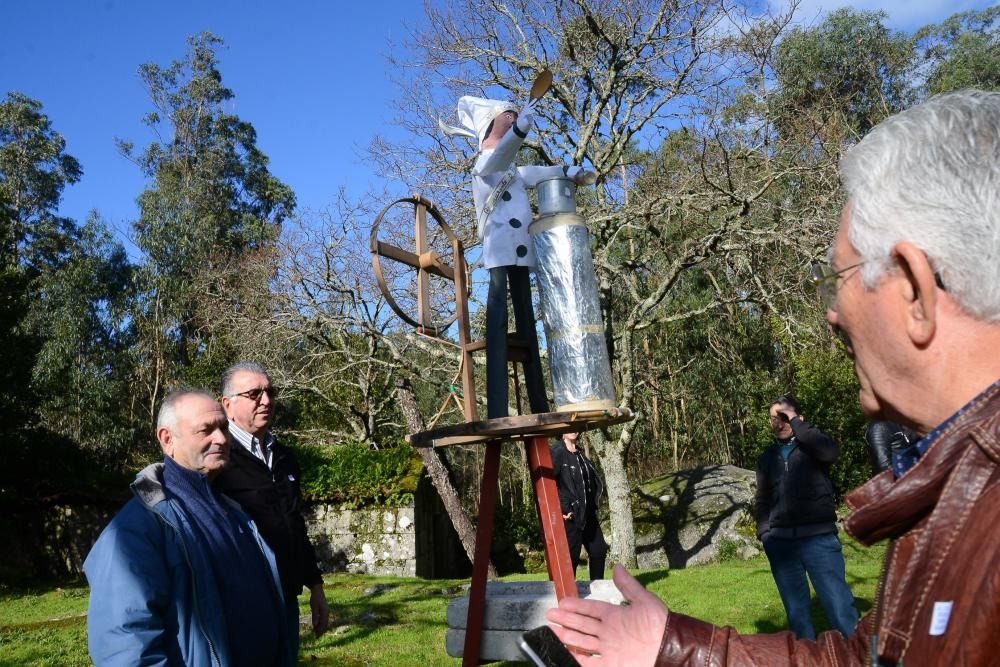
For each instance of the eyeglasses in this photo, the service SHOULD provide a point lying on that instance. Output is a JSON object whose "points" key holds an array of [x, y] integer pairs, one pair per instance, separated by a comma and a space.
{"points": [[826, 280], [255, 394]]}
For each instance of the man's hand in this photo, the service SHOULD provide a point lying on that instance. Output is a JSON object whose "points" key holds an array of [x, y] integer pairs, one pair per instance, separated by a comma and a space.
{"points": [[626, 635], [320, 610], [786, 413], [568, 516]]}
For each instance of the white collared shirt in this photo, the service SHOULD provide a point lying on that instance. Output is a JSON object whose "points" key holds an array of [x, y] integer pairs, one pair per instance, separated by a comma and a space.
{"points": [[253, 444]]}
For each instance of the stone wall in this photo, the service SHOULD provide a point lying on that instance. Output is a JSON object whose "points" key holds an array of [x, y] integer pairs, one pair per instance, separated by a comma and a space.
{"points": [[52, 541], [365, 541], [416, 540]]}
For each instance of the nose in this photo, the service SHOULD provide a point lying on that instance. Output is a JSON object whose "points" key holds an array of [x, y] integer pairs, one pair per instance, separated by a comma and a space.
{"points": [[265, 398]]}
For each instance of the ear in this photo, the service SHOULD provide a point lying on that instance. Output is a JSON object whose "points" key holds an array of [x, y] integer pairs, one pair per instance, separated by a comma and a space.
{"points": [[919, 290], [226, 402], [166, 439]]}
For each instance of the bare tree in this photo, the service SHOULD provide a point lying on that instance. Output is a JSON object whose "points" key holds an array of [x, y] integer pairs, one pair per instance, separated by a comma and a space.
{"points": [[326, 335], [633, 81]]}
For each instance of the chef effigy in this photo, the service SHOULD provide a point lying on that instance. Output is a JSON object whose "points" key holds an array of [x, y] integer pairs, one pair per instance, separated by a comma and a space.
{"points": [[503, 212]]}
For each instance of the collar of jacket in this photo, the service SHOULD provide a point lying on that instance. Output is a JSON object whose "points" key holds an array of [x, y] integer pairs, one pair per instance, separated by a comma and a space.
{"points": [[148, 486], [886, 507]]}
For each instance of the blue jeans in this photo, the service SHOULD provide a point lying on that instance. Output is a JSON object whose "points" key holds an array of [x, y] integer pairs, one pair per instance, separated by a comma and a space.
{"points": [[822, 558]]}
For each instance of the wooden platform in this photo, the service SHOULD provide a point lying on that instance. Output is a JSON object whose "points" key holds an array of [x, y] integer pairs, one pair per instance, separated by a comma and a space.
{"points": [[546, 424]]}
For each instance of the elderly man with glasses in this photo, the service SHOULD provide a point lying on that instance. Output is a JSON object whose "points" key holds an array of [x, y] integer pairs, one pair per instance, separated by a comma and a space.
{"points": [[919, 312], [263, 477]]}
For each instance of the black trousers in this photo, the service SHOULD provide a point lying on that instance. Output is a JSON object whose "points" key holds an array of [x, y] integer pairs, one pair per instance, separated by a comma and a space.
{"points": [[497, 392], [591, 537]]}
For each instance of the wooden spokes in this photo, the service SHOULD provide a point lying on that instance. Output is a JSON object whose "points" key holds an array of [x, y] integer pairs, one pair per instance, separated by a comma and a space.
{"points": [[414, 260]]}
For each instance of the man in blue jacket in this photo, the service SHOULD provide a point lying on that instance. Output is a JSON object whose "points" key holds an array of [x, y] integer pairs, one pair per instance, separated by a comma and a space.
{"points": [[797, 521], [180, 576]]}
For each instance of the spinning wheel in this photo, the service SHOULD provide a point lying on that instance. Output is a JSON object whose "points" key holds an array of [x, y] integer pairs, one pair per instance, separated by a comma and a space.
{"points": [[420, 285]]}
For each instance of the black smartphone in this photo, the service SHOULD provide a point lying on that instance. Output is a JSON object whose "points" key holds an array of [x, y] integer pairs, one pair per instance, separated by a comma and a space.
{"points": [[544, 649]]}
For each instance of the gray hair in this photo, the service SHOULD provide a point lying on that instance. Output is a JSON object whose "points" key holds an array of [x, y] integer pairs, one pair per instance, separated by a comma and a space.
{"points": [[931, 176], [167, 416], [240, 367]]}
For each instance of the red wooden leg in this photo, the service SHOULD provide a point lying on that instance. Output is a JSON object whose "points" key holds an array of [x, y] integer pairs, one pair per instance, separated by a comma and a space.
{"points": [[549, 512], [481, 559]]}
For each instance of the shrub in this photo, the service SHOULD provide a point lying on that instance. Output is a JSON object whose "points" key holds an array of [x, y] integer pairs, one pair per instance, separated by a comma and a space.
{"points": [[357, 475], [729, 549]]}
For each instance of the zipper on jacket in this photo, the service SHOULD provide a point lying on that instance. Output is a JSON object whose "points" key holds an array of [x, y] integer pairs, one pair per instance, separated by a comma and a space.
{"points": [[194, 586], [877, 607]]}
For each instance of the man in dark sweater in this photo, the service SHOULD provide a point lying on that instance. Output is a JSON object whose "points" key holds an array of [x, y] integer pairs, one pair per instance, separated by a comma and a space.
{"points": [[580, 491], [797, 521], [263, 477]]}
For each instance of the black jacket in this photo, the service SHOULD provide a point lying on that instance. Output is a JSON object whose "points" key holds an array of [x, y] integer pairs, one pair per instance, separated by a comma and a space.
{"points": [[885, 439], [795, 497], [271, 497], [569, 481]]}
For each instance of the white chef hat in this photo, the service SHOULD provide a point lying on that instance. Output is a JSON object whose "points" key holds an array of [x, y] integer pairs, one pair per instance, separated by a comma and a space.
{"points": [[475, 114]]}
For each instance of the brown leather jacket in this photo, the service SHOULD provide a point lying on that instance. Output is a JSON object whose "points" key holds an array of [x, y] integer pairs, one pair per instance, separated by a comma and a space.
{"points": [[944, 515]]}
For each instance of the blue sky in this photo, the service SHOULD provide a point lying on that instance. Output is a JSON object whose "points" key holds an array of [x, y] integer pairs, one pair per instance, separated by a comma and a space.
{"points": [[309, 75]]}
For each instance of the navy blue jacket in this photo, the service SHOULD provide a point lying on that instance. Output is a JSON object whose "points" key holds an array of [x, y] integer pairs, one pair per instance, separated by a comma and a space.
{"points": [[153, 595]]}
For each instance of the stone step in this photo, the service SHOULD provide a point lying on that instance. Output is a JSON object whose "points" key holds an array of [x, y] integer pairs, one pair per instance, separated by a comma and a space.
{"points": [[495, 644], [512, 608]]}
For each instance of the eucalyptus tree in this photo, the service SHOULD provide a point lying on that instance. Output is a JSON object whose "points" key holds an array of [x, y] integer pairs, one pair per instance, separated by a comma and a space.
{"points": [[82, 373], [66, 286], [34, 170], [843, 75], [961, 52], [210, 199]]}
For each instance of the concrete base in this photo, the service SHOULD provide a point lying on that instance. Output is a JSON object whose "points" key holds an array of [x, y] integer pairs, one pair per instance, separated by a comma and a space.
{"points": [[512, 608]]}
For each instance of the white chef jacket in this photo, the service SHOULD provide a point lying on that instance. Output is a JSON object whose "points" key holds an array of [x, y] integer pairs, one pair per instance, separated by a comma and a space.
{"points": [[505, 234]]}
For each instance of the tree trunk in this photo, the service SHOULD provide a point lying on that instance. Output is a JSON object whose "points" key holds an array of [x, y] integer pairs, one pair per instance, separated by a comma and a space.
{"points": [[610, 453], [439, 475]]}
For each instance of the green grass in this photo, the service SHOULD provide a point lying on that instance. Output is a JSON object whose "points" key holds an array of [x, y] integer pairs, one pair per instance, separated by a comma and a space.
{"points": [[402, 623]]}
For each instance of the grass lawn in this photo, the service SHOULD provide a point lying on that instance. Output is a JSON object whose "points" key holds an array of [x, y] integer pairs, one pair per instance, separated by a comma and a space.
{"points": [[394, 621]]}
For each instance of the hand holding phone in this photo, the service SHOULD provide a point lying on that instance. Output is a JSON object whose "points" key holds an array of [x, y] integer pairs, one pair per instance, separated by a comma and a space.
{"points": [[544, 649]]}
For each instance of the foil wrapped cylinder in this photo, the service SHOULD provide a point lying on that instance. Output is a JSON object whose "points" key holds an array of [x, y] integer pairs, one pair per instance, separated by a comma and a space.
{"points": [[571, 313]]}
